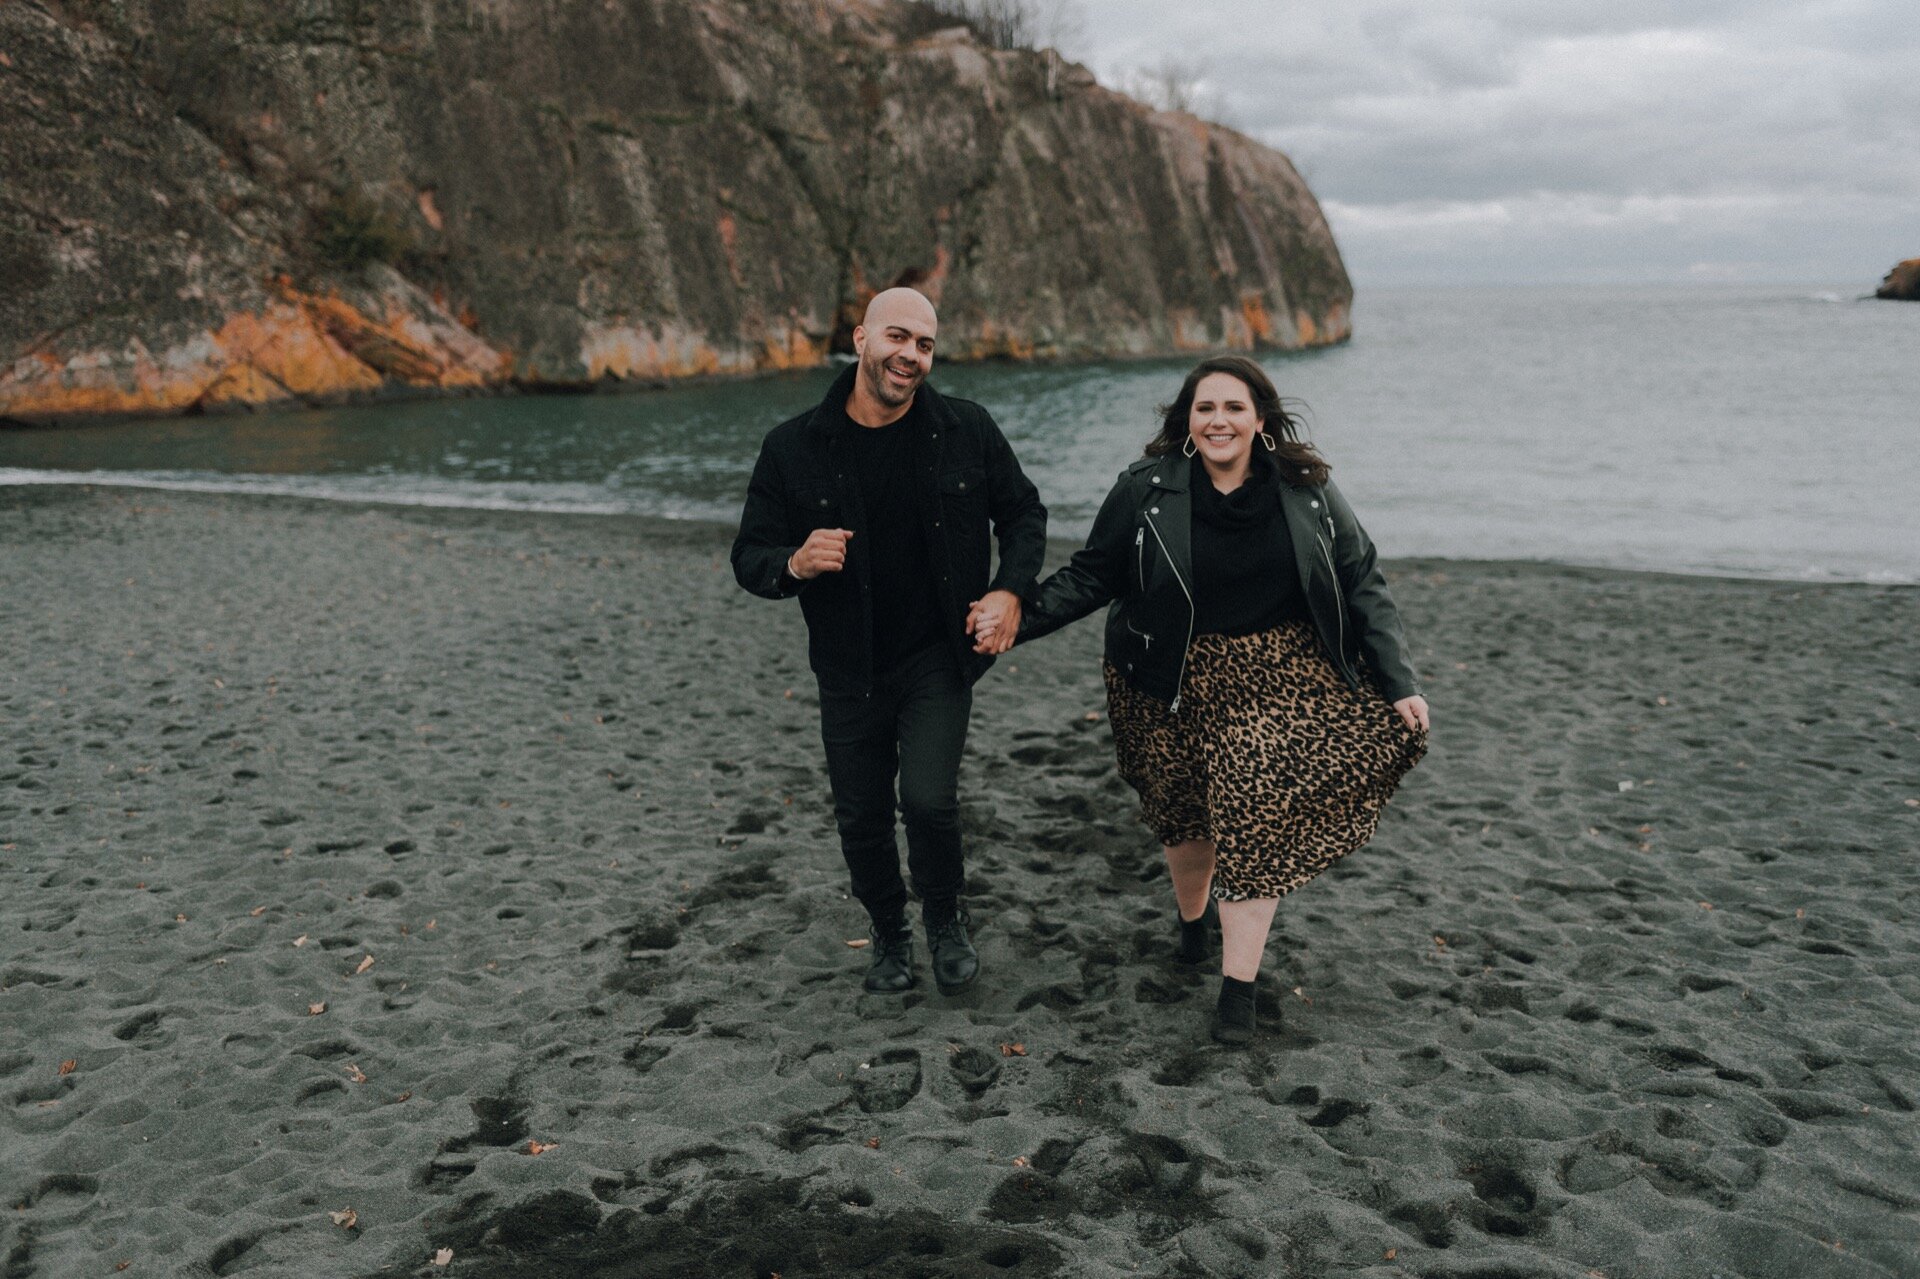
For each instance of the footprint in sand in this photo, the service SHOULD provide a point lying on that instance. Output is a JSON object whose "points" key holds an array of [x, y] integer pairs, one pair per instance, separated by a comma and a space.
{"points": [[1059, 998], [1508, 1204], [1182, 1071], [227, 1257], [1150, 1173], [60, 1191], [888, 1082], [316, 1089], [742, 884], [1149, 991], [1336, 1112], [1422, 1065], [1031, 1195], [655, 928], [974, 1070], [137, 1026], [1427, 1222]]}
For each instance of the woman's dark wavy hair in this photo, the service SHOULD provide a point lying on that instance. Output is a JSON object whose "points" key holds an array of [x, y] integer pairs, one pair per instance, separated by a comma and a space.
{"points": [[1300, 462]]}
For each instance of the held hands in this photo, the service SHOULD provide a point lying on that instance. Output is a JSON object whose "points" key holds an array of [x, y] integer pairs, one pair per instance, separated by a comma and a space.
{"points": [[994, 622], [824, 551], [1413, 712]]}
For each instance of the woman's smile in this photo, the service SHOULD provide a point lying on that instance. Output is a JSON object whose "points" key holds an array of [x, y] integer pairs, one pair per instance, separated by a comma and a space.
{"points": [[1223, 422]]}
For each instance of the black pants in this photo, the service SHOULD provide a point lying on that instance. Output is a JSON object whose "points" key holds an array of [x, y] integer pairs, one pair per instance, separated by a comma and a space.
{"points": [[912, 725]]}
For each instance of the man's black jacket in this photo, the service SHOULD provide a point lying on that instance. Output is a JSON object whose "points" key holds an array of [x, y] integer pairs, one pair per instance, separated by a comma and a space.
{"points": [[969, 486], [1139, 558]]}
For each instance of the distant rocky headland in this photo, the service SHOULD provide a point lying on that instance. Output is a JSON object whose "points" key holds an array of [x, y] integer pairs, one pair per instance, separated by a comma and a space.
{"points": [[222, 203], [1902, 283]]}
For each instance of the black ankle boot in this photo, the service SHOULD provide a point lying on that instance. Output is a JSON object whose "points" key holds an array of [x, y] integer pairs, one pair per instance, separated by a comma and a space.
{"points": [[1233, 1017], [955, 962], [1193, 947], [892, 970]]}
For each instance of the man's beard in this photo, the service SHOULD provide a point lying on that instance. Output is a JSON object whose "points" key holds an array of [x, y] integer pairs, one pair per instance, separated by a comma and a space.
{"points": [[883, 390]]}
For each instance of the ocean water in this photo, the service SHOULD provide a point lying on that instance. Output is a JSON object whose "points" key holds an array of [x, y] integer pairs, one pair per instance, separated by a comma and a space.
{"points": [[1770, 432]]}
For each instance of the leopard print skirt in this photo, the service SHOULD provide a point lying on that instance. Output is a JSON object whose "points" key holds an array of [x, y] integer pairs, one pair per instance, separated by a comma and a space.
{"points": [[1271, 756]]}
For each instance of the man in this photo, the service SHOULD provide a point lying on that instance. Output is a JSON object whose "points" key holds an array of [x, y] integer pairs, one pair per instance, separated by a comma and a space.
{"points": [[874, 508]]}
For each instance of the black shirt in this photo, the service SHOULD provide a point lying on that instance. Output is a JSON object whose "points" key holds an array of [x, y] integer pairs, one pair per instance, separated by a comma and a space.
{"points": [[1245, 579], [879, 461]]}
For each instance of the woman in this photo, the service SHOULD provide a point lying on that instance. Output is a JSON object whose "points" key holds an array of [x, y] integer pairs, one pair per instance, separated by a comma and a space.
{"points": [[1257, 678]]}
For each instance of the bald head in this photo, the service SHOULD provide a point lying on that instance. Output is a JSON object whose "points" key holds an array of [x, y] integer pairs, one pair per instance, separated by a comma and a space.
{"points": [[895, 346], [890, 305]]}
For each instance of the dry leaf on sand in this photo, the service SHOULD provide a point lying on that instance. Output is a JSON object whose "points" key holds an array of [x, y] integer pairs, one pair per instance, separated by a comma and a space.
{"points": [[444, 1257], [856, 943], [365, 963], [540, 1147], [70, 1065], [346, 1218], [356, 1074], [314, 1010]]}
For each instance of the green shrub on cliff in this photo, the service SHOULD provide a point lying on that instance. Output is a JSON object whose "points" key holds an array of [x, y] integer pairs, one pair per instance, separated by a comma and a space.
{"points": [[352, 230]]}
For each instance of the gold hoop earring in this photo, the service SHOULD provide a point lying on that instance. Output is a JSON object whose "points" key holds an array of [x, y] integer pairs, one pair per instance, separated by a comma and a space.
{"points": [[1268, 441], [1186, 449]]}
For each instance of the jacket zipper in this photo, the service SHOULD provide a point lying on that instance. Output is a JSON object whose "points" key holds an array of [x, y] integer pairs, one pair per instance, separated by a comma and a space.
{"points": [[1140, 568], [1181, 677], [1339, 602]]}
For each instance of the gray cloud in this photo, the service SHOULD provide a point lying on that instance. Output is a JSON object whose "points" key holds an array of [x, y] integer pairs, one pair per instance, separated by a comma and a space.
{"points": [[1514, 139]]}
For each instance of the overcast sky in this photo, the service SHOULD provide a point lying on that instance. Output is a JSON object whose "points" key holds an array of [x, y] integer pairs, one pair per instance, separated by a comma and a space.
{"points": [[1569, 140]]}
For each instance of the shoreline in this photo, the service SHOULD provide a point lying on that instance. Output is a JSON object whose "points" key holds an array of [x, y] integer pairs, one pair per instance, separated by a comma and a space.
{"points": [[405, 393], [1621, 984], [1058, 548]]}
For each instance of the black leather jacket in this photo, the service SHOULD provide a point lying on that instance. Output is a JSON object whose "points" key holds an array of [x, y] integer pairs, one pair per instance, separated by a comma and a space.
{"points": [[968, 485], [1139, 557]]}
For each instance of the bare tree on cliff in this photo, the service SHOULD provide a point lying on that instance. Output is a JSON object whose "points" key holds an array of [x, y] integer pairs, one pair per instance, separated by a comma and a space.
{"points": [[1016, 24], [1170, 85]]}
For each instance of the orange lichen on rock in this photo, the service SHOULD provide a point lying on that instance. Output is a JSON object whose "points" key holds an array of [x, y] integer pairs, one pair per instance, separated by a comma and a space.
{"points": [[404, 346], [274, 355], [299, 348], [990, 342], [792, 349], [1188, 333], [1253, 310], [291, 353], [630, 352], [1328, 329]]}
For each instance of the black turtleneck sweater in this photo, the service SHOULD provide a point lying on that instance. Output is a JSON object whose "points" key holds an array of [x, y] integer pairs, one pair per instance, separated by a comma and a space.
{"points": [[1245, 579]]}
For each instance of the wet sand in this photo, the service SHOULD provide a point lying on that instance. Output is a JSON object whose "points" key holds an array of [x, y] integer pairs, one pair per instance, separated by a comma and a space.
{"points": [[350, 855]]}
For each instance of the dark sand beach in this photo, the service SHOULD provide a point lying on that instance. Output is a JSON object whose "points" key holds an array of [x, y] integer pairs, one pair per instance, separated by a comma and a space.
{"points": [[350, 855]]}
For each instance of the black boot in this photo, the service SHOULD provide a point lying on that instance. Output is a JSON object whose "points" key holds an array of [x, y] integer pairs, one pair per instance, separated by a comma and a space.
{"points": [[1193, 947], [892, 970], [955, 962], [1233, 1018]]}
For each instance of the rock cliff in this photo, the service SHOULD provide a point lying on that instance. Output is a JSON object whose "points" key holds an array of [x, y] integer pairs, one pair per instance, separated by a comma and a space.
{"points": [[1902, 283], [217, 203]]}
